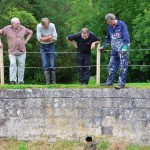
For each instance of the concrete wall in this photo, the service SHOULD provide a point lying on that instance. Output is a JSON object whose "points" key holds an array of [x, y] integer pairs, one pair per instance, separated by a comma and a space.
{"points": [[51, 114]]}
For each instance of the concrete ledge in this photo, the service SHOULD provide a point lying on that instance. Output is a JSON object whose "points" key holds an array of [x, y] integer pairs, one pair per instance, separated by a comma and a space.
{"points": [[51, 114]]}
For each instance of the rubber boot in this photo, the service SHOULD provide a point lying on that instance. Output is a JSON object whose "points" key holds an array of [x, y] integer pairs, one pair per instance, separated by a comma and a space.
{"points": [[47, 77], [53, 75]]}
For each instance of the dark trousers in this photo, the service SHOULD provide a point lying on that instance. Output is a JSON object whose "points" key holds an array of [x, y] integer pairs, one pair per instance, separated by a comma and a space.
{"points": [[118, 59], [48, 56], [84, 63]]}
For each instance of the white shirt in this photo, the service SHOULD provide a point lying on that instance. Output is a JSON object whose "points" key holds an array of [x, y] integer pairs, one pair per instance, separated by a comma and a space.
{"points": [[50, 31]]}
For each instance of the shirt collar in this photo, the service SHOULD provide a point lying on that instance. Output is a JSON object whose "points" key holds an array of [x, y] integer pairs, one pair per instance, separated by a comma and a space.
{"points": [[46, 28], [18, 30], [118, 23]]}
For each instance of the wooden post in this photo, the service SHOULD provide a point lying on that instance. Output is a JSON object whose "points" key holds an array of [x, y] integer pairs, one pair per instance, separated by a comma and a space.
{"points": [[98, 64], [1, 66]]}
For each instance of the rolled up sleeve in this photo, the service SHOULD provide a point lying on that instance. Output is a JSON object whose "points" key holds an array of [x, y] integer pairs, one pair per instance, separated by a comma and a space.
{"points": [[96, 38], [28, 31], [73, 37]]}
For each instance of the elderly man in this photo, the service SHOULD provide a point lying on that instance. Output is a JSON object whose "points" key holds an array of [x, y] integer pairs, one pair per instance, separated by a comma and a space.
{"points": [[15, 34], [47, 35], [84, 42], [119, 39]]}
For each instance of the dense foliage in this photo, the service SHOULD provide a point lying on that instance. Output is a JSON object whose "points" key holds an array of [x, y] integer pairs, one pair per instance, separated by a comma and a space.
{"points": [[70, 16]]}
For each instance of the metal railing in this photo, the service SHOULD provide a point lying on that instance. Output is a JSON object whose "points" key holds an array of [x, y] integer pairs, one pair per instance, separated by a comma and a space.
{"points": [[98, 63]]}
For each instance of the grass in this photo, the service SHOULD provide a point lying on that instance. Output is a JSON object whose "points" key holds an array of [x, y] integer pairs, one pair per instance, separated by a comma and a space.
{"points": [[136, 147], [10, 144], [92, 84], [103, 145], [25, 86]]}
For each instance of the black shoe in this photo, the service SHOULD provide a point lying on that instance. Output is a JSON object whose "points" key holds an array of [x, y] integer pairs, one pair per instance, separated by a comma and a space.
{"points": [[106, 84], [85, 83], [119, 87], [12, 82], [47, 83], [21, 82]]}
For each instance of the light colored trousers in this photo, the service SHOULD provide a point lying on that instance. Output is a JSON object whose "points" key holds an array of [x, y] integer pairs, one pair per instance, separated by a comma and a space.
{"points": [[13, 67]]}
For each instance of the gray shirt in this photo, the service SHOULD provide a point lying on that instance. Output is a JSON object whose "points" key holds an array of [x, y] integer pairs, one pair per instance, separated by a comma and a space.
{"points": [[41, 32]]}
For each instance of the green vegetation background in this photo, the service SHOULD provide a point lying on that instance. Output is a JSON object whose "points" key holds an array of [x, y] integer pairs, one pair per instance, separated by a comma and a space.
{"points": [[70, 16]]}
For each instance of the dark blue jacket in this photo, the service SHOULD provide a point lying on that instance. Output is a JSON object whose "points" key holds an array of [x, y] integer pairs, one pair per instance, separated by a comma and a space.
{"points": [[117, 36]]}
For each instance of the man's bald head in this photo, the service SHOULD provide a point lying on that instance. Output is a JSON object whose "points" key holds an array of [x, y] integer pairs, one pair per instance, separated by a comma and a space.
{"points": [[85, 33], [85, 30]]}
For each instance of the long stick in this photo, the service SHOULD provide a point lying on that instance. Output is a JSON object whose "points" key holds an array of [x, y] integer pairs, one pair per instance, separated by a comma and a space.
{"points": [[98, 64], [1, 66]]}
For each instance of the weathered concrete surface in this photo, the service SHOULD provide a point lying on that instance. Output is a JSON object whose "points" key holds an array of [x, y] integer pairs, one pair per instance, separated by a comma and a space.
{"points": [[51, 114]]}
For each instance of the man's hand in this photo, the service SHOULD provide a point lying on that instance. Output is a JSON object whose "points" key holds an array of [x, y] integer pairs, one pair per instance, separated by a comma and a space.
{"points": [[49, 37], [124, 49], [1, 44], [75, 45], [102, 48], [93, 46], [46, 38]]}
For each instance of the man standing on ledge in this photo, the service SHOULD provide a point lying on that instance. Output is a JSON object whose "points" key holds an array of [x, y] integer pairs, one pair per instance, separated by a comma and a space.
{"points": [[84, 42], [47, 35], [15, 34], [119, 39]]}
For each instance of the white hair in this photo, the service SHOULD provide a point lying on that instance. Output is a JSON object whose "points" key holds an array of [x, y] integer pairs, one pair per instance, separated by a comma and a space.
{"points": [[14, 19], [110, 16]]}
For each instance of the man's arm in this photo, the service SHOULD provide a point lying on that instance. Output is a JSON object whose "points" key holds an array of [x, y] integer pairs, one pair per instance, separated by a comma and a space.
{"points": [[125, 34], [72, 43], [72, 40], [49, 38], [1, 44], [126, 38], [39, 36], [46, 39], [29, 33], [54, 34], [1, 31], [107, 40], [94, 44]]}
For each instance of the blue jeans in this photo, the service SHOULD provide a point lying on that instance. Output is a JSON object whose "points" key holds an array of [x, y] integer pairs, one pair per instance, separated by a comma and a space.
{"points": [[48, 56]]}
